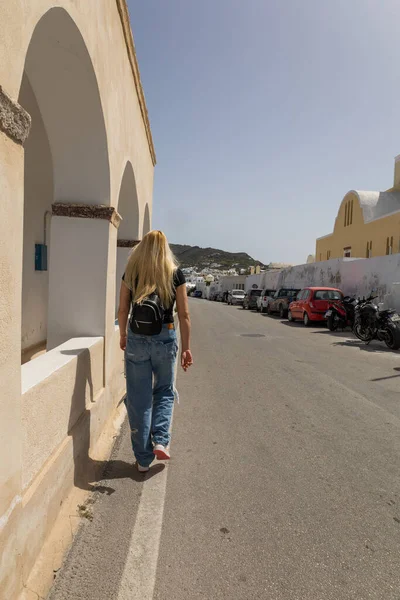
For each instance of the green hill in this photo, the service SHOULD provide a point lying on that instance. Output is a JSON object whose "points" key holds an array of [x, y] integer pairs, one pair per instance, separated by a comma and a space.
{"points": [[194, 256]]}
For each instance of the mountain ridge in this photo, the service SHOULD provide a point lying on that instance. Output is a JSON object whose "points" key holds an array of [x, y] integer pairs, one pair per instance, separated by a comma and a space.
{"points": [[195, 256]]}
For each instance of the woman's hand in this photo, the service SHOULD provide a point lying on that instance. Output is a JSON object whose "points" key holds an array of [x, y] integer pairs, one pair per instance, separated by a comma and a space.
{"points": [[122, 341], [186, 360]]}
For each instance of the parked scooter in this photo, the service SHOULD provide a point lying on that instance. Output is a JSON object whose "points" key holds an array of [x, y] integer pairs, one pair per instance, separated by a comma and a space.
{"points": [[340, 313], [371, 323]]}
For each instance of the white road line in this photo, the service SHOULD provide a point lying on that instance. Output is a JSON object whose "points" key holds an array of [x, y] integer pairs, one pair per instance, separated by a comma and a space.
{"points": [[140, 571], [139, 576]]}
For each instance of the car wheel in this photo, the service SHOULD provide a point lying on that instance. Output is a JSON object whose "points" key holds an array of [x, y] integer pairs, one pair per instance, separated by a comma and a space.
{"points": [[281, 312], [243, 306], [290, 317], [306, 320], [269, 311]]}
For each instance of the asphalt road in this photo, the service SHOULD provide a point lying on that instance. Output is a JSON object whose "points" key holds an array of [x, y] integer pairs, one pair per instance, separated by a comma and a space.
{"points": [[284, 480]]}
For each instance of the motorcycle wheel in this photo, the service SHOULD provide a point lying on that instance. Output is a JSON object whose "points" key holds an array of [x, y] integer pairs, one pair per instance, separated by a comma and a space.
{"points": [[363, 334], [332, 323], [392, 340]]}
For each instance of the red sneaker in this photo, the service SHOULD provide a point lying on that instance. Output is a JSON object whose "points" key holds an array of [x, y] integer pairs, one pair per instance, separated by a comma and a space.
{"points": [[161, 452]]}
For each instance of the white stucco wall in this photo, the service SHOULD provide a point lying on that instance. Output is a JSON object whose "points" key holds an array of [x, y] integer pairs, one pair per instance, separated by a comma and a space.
{"points": [[38, 199], [11, 215], [78, 278], [88, 162], [353, 276], [269, 279], [57, 387], [100, 26], [254, 280], [230, 282]]}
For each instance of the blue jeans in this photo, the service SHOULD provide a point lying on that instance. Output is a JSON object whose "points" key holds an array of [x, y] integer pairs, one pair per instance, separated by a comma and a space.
{"points": [[150, 371]]}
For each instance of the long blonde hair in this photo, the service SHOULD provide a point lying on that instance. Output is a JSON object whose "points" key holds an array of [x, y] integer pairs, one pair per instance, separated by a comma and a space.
{"points": [[151, 267]]}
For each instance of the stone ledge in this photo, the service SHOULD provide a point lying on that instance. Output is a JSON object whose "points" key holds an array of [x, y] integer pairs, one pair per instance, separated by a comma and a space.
{"points": [[15, 122], [87, 211], [127, 243]]}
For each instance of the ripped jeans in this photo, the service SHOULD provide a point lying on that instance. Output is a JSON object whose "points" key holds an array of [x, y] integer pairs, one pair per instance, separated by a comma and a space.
{"points": [[150, 371]]}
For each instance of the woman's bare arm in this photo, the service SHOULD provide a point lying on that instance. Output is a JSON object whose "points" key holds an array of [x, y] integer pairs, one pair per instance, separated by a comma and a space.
{"points": [[123, 313], [184, 323]]}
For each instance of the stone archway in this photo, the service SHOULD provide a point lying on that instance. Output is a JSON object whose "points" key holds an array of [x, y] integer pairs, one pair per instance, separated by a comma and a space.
{"points": [[128, 232], [66, 161]]}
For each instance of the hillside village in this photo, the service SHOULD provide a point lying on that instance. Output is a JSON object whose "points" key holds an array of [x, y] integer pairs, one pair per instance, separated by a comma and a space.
{"points": [[208, 265]]}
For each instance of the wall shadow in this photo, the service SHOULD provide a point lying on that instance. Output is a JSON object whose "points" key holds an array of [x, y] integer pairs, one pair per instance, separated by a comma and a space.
{"points": [[88, 471]]}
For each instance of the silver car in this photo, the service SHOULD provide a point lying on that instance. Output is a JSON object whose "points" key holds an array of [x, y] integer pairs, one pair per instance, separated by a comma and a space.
{"points": [[236, 297]]}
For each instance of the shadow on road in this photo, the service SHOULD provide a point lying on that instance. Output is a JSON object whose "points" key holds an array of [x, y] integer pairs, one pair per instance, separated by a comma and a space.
{"points": [[298, 323], [388, 377], [336, 334], [119, 469], [363, 346]]}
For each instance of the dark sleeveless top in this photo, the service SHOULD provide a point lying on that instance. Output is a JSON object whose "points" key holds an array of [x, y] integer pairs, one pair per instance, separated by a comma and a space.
{"points": [[179, 279]]}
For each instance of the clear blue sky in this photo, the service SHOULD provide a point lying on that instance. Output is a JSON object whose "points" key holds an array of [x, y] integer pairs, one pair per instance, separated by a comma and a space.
{"points": [[265, 113]]}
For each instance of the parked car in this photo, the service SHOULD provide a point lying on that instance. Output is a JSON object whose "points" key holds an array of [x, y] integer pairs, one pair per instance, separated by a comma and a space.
{"points": [[280, 301], [263, 299], [250, 299], [198, 294], [236, 297], [312, 303]]}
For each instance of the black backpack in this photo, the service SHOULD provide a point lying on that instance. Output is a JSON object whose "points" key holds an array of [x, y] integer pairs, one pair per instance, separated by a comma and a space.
{"points": [[147, 318]]}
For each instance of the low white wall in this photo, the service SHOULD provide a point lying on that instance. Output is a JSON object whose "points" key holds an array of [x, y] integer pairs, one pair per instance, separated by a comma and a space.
{"points": [[68, 419], [269, 279], [57, 388], [231, 282], [353, 276]]}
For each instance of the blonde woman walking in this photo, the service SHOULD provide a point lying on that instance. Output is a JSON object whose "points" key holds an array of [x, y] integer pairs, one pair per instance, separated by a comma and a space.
{"points": [[151, 283]]}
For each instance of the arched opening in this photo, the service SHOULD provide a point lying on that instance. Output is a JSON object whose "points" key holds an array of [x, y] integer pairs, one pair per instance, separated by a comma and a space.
{"points": [[146, 220], [128, 232], [66, 160]]}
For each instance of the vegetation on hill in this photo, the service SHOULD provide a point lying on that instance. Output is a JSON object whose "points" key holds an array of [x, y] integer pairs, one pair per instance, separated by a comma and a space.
{"points": [[202, 258]]}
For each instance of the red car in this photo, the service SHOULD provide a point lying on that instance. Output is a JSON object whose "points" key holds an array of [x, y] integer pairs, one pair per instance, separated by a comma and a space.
{"points": [[312, 303]]}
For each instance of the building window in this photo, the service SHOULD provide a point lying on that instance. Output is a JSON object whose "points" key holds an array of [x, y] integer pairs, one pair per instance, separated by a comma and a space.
{"points": [[369, 250], [347, 252], [345, 215], [320, 256], [351, 212], [328, 254], [389, 246]]}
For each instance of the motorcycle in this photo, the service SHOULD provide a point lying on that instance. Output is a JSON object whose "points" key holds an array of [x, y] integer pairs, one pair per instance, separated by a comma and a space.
{"points": [[372, 323], [340, 313]]}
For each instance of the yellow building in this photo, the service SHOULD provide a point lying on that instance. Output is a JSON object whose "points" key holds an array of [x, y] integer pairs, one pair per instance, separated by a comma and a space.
{"points": [[367, 224]]}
